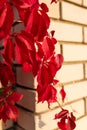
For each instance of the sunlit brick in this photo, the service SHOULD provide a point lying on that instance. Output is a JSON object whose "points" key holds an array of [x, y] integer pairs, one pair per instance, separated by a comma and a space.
{"points": [[70, 73], [75, 52], [82, 124], [73, 13], [85, 2], [66, 32], [76, 1], [85, 34], [76, 91]]}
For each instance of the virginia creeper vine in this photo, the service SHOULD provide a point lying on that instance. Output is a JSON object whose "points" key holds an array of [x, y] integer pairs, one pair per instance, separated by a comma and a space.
{"points": [[34, 49]]}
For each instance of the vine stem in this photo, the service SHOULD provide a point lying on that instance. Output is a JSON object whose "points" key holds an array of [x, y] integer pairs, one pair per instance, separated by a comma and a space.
{"points": [[59, 105]]}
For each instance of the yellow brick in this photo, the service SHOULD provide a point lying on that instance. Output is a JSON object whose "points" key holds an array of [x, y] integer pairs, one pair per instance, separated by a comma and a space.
{"points": [[79, 111], [31, 103], [57, 48], [70, 73], [53, 8], [74, 13], [1, 127], [75, 52], [81, 124], [85, 2], [76, 91], [85, 34], [46, 120], [66, 32]]}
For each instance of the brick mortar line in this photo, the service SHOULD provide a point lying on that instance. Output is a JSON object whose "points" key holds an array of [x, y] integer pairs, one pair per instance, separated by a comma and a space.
{"points": [[64, 83], [56, 107], [68, 21], [76, 4], [24, 87], [51, 109], [81, 117], [60, 9], [71, 42], [85, 105], [19, 126], [68, 103], [83, 34], [25, 109], [76, 120], [75, 81], [75, 62], [84, 71]]}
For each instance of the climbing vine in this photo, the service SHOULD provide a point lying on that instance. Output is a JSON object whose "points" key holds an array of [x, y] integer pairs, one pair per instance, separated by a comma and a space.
{"points": [[34, 49]]}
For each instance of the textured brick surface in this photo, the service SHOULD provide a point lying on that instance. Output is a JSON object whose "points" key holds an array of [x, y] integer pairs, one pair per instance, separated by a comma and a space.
{"points": [[73, 33], [76, 91], [24, 79], [85, 34], [76, 1], [71, 12], [70, 72], [75, 52], [28, 100], [86, 70], [26, 120], [85, 2], [81, 124]]}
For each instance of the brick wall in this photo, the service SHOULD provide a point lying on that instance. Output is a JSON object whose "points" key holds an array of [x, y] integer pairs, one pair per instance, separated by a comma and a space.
{"points": [[69, 20]]}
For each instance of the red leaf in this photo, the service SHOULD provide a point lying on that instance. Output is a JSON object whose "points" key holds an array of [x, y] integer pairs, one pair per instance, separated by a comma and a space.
{"points": [[25, 48], [44, 7], [71, 124], [6, 75], [11, 112], [38, 23], [55, 1], [33, 22], [47, 93], [31, 2], [27, 67], [48, 47], [44, 77], [14, 97], [61, 114], [22, 8], [63, 93], [8, 51], [59, 61], [2, 2], [62, 125], [6, 22], [3, 16]]}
